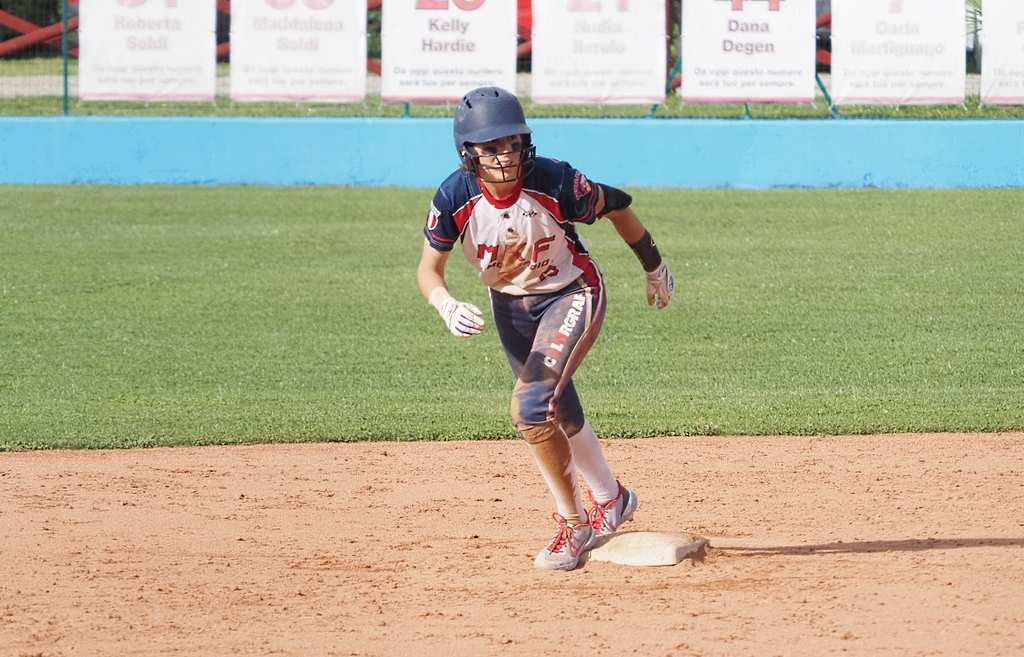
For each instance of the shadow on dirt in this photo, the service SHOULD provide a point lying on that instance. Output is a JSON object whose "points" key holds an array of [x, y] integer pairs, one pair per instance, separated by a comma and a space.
{"points": [[860, 547]]}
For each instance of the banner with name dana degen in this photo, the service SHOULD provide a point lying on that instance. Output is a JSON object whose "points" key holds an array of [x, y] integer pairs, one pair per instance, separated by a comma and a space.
{"points": [[748, 51]]}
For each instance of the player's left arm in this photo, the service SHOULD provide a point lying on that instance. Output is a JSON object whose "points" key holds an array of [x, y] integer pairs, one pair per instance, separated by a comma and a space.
{"points": [[615, 204]]}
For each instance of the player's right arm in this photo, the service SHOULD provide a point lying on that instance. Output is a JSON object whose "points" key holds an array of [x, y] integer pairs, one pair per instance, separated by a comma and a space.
{"points": [[463, 319]]}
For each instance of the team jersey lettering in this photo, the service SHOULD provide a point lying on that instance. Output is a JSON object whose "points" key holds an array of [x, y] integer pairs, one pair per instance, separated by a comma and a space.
{"points": [[572, 318], [540, 246], [483, 251], [527, 244], [432, 218]]}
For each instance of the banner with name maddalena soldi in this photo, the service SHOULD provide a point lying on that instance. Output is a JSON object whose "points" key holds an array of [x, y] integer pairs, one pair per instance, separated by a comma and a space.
{"points": [[748, 51], [437, 50], [147, 50], [298, 50]]}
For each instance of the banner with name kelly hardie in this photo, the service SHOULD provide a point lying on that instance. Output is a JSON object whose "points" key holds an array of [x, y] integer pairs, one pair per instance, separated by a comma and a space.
{"points": [[437, 50], [147, 50], [298, 50], [898, 52], [598, 51], [749, 51], [1002, 63]]}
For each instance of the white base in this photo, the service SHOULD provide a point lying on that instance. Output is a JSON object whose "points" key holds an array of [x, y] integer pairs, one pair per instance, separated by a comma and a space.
{"points": [[645, 548]]}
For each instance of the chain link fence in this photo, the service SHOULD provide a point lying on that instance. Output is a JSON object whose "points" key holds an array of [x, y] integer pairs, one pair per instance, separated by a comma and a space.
{"points": [[39, 75]]}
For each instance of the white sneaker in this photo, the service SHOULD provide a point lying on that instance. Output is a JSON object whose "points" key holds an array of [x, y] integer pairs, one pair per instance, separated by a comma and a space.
{"points": [[607, 517], [565, 549]]}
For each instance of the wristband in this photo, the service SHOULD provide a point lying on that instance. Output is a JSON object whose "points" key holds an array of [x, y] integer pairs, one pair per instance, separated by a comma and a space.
{"points": [[438, 296], [647, 251]]}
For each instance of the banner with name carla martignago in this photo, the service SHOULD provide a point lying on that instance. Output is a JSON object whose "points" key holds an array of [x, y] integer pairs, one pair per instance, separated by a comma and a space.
{"points": [[1002, 65], [437, 50], [750, 51], [147, 50], [598, 51], [298, 50], [898, 52]]}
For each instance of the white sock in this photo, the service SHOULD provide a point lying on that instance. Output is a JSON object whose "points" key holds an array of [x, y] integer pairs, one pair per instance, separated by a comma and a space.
{"points": [[589, 457]]}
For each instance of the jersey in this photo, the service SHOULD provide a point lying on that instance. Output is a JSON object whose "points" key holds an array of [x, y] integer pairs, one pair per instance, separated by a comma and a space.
{"points": [[526, 243]]}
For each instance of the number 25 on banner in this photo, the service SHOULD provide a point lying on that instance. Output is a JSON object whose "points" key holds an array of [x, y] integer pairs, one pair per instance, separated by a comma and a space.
{"points": [[467, 5], [594, 5]]}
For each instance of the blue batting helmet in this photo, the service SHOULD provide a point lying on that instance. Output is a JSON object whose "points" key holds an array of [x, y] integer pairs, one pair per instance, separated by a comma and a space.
{"points": [[488, 113]]}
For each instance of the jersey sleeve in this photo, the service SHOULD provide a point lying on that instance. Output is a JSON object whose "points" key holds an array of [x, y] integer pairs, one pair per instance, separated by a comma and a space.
{"points": [[577, 196], [440, 229]]}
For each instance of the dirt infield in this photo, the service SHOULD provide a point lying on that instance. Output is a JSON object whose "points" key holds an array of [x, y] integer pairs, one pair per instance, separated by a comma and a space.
{"points": [[859, 545]]}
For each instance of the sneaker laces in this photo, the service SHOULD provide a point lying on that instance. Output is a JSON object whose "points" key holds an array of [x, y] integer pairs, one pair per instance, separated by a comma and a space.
{"points": [[597, 514], [565, 535]]}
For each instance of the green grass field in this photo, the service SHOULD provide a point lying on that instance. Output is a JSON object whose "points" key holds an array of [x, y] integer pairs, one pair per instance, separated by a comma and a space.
{"points": [[138, 316]]}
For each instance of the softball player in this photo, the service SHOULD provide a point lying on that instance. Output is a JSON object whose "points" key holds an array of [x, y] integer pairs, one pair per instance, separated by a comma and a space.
{"points": [[515, 215]]}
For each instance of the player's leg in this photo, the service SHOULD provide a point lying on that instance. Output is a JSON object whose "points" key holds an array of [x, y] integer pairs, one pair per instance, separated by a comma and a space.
{"points": [[586, 448], [613, 504], [517, 320], [567, 326]]}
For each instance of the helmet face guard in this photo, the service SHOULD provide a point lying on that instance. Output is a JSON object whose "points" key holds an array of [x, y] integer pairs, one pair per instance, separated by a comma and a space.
{"points": [[505, 172], [486, 114]]}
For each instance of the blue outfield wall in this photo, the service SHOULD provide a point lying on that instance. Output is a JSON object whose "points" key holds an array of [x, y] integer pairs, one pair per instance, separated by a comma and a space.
{"points": [[749, 153]]}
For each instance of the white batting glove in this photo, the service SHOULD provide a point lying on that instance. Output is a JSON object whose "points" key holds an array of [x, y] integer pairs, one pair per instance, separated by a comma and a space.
{"points": [[661, 284], [463, 319]]}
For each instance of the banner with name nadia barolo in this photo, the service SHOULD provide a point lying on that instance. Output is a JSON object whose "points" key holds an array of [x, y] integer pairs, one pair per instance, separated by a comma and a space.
{"points": [[599, 51]]}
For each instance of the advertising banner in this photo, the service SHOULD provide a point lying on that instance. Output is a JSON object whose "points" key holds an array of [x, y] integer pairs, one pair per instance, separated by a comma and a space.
{"points": [[1002, 59], [147, 50], [749, 51], [437, 50], [898, 52], [599, 51], [298, 50]]}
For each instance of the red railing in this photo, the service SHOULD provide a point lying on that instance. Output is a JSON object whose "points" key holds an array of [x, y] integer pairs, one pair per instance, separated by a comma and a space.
{"points": [[31, 34], [821, 55]]}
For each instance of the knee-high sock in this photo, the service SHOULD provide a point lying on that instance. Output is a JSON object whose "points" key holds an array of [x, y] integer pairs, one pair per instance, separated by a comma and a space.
{"points": [[589, 457], [551, 451]]}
